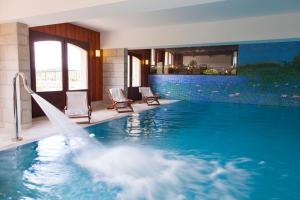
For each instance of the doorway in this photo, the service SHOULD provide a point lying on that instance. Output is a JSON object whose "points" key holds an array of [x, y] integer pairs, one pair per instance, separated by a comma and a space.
{"points": [[57, 65]]}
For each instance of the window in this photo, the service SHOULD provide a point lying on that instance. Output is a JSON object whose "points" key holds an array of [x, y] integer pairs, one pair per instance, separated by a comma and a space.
{"points": [[58, 64], [48, 59], [48, 65], [77, 67], [210, 60], [168, 58], [128, 71], [136, 72]]}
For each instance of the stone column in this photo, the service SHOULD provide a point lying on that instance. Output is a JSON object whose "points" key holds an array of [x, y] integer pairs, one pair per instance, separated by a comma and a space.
{"points": [[114, 70], [14, 57]]}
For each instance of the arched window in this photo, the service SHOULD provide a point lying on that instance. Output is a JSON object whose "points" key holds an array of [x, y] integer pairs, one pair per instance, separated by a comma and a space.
{"points": [[77, 67], [57, 65], [48, 64]]}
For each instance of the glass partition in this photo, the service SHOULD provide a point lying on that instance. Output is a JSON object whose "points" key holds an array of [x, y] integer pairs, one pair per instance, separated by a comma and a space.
{"points": [[213, 60]]}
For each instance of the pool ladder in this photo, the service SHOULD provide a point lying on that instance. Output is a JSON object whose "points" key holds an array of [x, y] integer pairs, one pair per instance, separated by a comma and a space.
{"points": [[15, 101]]}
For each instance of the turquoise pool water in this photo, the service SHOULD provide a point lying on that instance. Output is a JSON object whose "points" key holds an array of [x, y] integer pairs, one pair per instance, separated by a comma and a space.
{"points": [[245, 152]]}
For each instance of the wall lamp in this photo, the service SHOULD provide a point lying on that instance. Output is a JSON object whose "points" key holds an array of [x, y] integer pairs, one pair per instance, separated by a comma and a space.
{"points": [[97, 53]]}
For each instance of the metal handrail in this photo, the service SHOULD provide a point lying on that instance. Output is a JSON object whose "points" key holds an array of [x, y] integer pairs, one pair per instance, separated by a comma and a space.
{"points": [[15, 100]]}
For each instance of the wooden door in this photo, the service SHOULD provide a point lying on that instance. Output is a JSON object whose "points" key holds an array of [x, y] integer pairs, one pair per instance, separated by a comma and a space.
{"points": [[53, 72]]}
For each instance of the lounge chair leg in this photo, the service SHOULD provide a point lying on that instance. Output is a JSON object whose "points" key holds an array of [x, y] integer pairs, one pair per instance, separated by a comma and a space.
{"points": [[129, 105]]}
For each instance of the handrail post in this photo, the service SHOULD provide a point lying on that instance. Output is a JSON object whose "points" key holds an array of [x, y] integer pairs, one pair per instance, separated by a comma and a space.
{"points": [[15, 101], [16, 113]]}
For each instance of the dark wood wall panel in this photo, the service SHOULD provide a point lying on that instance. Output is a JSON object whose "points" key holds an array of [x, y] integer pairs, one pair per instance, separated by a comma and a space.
{"points": [[71, 31], [178, 59]]}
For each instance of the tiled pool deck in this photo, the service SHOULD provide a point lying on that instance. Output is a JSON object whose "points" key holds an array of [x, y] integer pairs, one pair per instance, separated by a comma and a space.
{"points": [[41, 127]]}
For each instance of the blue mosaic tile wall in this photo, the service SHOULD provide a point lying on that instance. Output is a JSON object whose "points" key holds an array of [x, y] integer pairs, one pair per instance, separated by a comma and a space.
{"points": [[268, 74]]}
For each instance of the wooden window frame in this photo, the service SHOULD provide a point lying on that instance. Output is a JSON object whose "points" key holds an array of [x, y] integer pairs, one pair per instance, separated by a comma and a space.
{"points": [[36, 36], [58, 98]]}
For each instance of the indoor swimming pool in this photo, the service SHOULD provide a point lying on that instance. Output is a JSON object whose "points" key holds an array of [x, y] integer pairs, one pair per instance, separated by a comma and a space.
{"points": [[179, 151]]}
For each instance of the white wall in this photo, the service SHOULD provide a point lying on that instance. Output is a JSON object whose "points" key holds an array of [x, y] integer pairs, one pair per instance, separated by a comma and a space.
{"points": [[283, 26]]}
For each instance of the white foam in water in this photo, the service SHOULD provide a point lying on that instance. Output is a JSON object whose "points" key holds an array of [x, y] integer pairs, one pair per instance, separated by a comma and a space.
{"points": [[147, 173]]}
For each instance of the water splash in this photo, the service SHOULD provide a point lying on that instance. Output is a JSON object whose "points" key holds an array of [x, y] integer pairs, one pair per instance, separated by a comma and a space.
{"points": [[77, 137], [147, 173], [139, 172]]}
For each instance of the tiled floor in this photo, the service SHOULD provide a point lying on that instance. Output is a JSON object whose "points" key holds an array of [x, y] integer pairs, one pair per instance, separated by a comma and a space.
{"points": [[42, 128]]}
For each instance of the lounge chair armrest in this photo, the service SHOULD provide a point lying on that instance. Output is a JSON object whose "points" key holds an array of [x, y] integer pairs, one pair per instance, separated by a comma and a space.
{"points": [[116, 102], [152, 97]]}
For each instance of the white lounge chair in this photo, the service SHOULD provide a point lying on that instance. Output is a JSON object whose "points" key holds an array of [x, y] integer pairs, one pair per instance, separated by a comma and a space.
{"points": [[119, 101], [148, 96], [77, 105]]}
